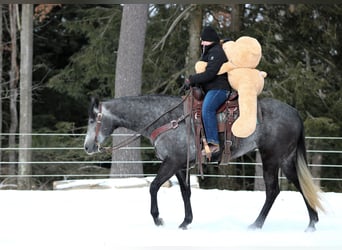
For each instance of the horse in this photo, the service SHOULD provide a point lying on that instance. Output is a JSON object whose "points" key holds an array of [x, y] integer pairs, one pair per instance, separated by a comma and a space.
{"points": [[279, 137]]}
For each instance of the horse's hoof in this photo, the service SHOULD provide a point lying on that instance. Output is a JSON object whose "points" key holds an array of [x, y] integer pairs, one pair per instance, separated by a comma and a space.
{"points": [[183, 226], [310, 229], [254, 227], [158, 222]]}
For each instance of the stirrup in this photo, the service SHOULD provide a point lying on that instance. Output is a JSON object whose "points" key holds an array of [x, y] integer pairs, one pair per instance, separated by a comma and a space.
{"points": [[209, 150]]}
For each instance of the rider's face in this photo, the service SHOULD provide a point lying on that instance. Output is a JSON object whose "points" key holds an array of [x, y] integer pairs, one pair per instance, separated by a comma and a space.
{"points": [[206, 43]]}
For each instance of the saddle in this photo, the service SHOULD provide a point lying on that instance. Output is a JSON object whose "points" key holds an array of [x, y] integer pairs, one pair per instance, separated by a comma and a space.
{"points": [[226, 115]]}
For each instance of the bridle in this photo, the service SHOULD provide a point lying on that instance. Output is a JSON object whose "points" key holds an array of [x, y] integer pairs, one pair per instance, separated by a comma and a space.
{"points": [[101, 149], [135, 136], [98, 126]]}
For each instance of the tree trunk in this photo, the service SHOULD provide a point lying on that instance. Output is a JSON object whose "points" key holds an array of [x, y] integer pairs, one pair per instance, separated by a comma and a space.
{"points": [[195, 27], [13, 87], [259, 184], [128, 80], [316, 170], [1, 61], [25, 126], [235, 25]]}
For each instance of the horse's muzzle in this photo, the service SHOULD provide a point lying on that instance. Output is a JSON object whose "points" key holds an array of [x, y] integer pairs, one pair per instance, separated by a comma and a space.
{"points": [[91, 149]]}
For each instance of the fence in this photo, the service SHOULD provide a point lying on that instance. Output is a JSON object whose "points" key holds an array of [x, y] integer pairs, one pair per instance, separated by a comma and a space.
{"points": [[331, 156]]}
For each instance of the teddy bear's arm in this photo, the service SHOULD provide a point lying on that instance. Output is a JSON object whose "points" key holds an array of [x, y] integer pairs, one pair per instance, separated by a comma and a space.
{"points": [[201, 66], [210, 70], [227, 67]]}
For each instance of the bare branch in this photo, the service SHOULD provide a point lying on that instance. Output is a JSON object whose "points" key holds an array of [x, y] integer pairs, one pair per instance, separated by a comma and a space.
{"points": [[172, 27]]}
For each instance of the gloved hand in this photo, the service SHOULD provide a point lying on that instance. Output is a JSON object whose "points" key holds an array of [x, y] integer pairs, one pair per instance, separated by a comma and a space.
{"points": [[184, 87], [187, 84]]}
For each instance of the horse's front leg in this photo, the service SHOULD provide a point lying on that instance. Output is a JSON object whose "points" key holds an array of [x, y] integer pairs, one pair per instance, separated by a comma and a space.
{"points": [[186, 193], [154, 204], [165, 172]]}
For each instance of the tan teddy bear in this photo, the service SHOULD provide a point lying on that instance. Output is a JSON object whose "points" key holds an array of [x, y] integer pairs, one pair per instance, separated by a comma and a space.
{"points": [[243, 57]]}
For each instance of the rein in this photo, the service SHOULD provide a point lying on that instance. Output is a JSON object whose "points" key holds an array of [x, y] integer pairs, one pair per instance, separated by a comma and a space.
{"points": [[98, 125], [136, 135]]}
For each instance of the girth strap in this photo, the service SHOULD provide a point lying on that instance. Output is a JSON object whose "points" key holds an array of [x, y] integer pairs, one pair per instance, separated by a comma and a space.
{"points": [[171, 125]]}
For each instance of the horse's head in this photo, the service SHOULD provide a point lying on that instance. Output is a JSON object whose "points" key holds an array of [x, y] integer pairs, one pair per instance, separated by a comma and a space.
{"points": [[100, 126]]}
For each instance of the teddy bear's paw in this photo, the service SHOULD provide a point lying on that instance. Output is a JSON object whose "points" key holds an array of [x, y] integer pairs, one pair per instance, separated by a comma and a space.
{"points": [[243, 129], [200, 66]]}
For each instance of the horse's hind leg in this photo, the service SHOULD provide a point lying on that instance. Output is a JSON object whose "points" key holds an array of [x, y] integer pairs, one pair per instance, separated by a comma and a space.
{"points": [[166, 171], [291, 174], [186, 193], [272, 190]]}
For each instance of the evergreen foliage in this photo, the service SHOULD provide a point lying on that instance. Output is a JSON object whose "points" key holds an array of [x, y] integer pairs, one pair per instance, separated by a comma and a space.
{"points": [[91, 70]]}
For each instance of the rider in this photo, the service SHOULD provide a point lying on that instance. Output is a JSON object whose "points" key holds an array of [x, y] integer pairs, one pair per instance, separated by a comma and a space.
{"points": [[216, 87]]}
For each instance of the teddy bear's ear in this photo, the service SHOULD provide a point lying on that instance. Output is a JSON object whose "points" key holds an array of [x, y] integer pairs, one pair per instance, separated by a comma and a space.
{"points": [[228, 48], [227, 43]]}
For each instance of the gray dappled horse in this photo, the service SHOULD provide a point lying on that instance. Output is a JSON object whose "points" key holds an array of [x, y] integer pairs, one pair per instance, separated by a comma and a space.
{"points": [[279, 136]]}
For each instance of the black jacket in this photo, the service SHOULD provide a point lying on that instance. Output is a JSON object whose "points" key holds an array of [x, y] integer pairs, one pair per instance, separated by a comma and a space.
{"points": [[214, 55]]}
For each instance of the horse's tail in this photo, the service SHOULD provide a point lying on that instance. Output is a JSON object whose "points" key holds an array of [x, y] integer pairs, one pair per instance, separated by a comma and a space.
{"points": [[310, 190]]}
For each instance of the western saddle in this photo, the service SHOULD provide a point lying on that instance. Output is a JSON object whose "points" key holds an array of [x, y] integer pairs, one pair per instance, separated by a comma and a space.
{"points": [[226, 115]]}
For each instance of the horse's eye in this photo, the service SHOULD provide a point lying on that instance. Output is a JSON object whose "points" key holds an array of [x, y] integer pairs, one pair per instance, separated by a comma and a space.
{"points": [[91, 121]]}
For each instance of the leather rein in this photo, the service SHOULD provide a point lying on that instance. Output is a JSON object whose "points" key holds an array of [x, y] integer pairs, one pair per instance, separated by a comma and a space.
{"points": [[171, 125]]}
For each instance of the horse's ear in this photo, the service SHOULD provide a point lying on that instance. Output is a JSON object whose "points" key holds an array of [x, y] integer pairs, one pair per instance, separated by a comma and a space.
{"points": [[94, 104]]}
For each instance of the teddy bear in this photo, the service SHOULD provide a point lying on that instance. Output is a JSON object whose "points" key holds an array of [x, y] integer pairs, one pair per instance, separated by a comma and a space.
{"points": [[243, 55]]}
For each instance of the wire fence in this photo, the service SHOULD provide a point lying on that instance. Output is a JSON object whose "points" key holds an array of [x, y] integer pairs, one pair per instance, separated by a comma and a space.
{"points": [[332, 151]]}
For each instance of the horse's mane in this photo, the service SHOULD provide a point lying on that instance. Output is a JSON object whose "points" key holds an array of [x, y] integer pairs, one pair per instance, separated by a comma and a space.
{"points": [[148, 97]]}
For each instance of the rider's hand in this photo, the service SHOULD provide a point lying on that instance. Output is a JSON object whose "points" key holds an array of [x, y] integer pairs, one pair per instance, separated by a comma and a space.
{"points": [[187, 84]]}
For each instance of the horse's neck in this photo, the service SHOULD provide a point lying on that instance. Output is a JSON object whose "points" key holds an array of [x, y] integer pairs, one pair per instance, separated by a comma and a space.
{"points": [[137, 113]]}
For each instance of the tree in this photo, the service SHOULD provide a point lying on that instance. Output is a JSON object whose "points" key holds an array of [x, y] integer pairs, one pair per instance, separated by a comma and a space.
{"points": [[235, 18], [25, 123], [90, 44], [14, 76], [259, 184], [195, 28], [1, 66], [128, 77], [167, 48]]}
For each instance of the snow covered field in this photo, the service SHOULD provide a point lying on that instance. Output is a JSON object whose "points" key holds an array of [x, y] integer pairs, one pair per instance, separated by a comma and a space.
{"points": [[119, 218]]}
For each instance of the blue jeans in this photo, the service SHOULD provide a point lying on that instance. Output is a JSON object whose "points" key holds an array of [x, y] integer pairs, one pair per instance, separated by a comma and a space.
{"points": [[212, 101]]}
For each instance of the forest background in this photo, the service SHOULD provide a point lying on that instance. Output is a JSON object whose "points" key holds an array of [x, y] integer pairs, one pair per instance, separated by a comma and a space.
{"points": [[75, 51]]}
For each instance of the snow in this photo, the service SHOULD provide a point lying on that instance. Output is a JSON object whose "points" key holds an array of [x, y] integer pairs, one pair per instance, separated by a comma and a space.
{"points": [[101, 183], [119, 218]]}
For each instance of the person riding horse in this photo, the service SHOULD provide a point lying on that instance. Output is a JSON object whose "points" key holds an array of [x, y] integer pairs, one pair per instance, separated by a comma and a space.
{"points": [[215, 87]]}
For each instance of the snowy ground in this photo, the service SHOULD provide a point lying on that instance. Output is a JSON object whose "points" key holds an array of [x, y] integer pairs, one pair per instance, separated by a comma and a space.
{"points": [[119, 218]]}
